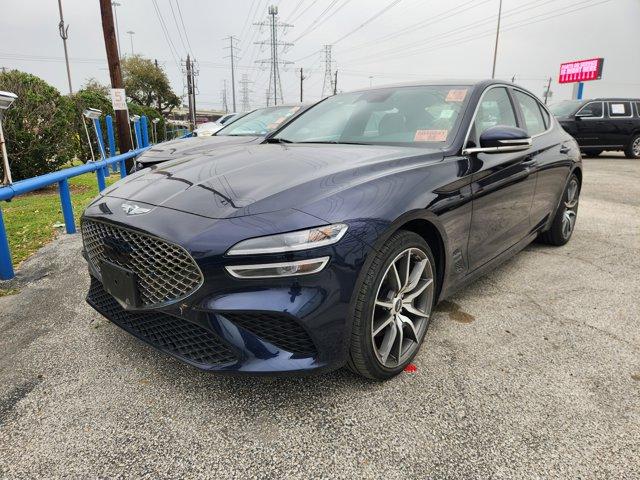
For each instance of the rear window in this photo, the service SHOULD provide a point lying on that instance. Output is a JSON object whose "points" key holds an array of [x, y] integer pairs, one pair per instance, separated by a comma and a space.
{"points": [[620, 109]]}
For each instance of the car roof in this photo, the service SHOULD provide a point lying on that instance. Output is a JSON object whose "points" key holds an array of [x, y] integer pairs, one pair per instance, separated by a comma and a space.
{"points": [[464, 82], [612, 99]]}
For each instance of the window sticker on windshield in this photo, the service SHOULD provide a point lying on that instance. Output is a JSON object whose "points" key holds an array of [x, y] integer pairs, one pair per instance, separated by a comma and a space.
{"points": [[279, 120], [456, 95], [273, 126], [430, 135]]}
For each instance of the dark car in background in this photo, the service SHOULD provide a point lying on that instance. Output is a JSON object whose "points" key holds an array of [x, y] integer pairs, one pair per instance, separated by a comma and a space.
{"points": [[248, 128], [602, 124], [331, 243]]}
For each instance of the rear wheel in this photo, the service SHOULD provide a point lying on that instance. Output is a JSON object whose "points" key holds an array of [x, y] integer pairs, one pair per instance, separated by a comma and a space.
{"points": [[565, 220], [393, 307], [592, 152], [633, 149]]}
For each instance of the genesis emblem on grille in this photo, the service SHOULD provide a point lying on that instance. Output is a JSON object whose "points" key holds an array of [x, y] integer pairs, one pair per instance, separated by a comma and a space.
{"points": [[133, 209]]}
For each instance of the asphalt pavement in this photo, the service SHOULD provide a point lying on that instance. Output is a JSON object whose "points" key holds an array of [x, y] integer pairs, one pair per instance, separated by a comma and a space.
{"points": [[532, 372]]}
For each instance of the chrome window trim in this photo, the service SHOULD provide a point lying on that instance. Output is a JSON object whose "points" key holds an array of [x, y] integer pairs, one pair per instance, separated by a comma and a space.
{"points": [[466, 151], [543, 107], [609, 102], [234, 269], [601, 102]]}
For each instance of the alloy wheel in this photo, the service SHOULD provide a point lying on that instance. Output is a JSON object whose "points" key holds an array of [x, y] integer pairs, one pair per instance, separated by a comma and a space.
{"points": [[635, 148], [570, 210], [403, 304]]}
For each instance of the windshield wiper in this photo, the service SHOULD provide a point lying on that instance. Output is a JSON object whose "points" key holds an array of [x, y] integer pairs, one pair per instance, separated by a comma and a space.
{"points": [[278, 140], [334, 142]]}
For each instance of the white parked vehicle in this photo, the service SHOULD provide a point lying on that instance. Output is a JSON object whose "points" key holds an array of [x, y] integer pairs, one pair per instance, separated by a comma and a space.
{"points": [[209, 128]]}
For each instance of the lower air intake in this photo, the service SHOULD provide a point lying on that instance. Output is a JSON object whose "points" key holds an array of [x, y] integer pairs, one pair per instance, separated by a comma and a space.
{"points": [[280, 330], [165, 332]]}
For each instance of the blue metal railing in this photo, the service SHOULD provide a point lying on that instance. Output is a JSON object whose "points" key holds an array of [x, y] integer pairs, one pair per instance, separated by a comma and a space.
{"points": [[61, 177]]}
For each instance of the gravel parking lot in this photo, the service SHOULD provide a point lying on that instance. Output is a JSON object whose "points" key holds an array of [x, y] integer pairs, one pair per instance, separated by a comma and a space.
{"points": [[531, 372]]}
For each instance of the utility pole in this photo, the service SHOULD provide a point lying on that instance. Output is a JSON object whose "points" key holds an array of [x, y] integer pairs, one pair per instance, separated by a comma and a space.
{"points": [[64, 34], [302, 78], [335, 84], [232, 56], [274, 25], [547, 91], [115, 15], [495, 50], [327, 84], [111, 46], [244, 91], [223, 96], [131, 34], [191, 89]]}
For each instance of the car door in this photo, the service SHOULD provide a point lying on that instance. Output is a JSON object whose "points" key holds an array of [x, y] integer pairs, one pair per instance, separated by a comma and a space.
{"points": [[550, 156], [502, 184], [621, 123], [591, 125]]}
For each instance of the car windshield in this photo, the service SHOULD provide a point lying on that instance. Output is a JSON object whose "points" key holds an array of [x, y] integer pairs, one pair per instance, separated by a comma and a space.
{"points": [[564, 108], [259, 122], [389, 116]]}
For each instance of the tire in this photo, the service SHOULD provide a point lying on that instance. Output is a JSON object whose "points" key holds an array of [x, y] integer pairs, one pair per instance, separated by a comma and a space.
{"points": [[566, 215], [592, 152], [633, 149], [404, 309]]}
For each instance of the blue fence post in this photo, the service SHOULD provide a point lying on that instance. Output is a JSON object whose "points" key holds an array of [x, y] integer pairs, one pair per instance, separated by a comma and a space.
{"points": [[102, 184], [123, 169], [136, 127], [67, 207], [144, 125], [6, 265], [108, 120]]}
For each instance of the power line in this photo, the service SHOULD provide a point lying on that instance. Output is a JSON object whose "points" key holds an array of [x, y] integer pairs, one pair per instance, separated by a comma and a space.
{"points": [[311, 26], [304, 11], [165, 32], [369, 20], [186, 35], [175, 20]]}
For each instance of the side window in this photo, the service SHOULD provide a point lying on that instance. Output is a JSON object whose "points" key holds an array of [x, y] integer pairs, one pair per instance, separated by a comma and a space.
{"points": [[494, 109], [534, 123], [638, 109], [546, 117], [592, 109], [620, 109]]}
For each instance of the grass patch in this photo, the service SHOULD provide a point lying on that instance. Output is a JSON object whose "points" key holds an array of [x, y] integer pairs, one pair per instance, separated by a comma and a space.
{"points": [[5, 292], [30, 219]]}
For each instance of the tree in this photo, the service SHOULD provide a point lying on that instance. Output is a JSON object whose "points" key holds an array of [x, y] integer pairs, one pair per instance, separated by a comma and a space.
{"points": [[38, 130], [147, 84], [91, 96]]}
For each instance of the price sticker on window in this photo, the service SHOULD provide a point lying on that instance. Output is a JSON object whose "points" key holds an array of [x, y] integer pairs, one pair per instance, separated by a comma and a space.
{"points": [[431, 136], [456, 95]]}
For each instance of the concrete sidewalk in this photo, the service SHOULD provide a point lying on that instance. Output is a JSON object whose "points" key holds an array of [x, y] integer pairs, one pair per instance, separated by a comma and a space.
{"points": [[531, 372]]}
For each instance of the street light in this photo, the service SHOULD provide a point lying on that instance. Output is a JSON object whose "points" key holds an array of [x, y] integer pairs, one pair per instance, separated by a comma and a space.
{"points": [[136, 128], [155, 122], [94, 115], [131, 34], [6, 99]]}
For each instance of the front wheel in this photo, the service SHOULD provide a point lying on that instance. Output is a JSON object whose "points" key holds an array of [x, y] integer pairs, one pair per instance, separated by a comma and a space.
{"points": [[633, 149], [565, 220], [393, 307]]}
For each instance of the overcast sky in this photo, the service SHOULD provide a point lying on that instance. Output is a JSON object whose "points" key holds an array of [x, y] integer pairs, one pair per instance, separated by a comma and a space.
{"points": [[401, 40]]}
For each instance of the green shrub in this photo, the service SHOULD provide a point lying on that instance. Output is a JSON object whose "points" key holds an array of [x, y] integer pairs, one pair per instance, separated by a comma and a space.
{"points": [[39, 133]]}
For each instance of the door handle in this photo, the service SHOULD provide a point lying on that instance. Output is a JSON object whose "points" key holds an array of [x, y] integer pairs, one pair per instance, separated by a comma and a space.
{"points": [[564, 149]]}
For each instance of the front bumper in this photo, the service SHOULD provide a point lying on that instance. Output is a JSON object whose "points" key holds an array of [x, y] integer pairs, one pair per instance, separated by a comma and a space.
{"points": [[291, 325]]}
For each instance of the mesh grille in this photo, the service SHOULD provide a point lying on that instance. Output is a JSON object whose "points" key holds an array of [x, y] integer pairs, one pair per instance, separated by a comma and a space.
{"points": [[166, 272], [165, 332], [280, 330]]}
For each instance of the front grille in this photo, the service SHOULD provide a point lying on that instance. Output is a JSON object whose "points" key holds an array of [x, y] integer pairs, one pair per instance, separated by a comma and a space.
{"points": [[165, 332], [280, 330], [166, 272]]}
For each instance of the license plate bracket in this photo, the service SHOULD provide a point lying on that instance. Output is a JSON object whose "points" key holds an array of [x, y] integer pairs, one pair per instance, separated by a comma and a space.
{"points": [[120, 283]]}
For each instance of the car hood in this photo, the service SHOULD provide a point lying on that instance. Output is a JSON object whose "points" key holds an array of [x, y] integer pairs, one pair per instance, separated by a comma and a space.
{"points": [[191, 146], [247, 180]]}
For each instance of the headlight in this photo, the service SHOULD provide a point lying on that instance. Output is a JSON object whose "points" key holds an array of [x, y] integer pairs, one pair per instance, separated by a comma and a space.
{"points": [[292, 241], [272, 270]]}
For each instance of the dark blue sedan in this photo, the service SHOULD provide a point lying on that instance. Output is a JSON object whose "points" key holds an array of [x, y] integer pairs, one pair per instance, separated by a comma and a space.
{"points": [[331, 244]]}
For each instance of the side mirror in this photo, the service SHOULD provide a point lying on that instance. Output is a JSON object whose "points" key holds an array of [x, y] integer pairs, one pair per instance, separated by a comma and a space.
{"points": [[500, 139]]}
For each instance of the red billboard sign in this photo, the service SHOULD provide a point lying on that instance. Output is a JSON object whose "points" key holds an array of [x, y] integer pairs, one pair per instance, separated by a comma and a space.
{"points": [[581, 71]]}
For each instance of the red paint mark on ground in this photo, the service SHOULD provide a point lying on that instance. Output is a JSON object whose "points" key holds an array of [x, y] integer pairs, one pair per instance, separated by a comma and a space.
{"points": [[411, 368]]}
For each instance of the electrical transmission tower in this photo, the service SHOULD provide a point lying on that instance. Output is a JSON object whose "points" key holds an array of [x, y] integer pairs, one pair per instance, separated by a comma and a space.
{"points": [[232, 55], [223, 97], [244, 92], [191, 71], [275, 25], [328, 87]]}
